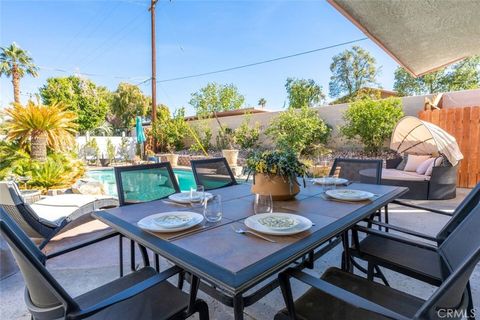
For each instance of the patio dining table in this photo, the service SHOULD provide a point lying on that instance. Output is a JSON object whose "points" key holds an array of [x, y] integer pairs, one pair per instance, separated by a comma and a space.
{"points": [[231, 265]]}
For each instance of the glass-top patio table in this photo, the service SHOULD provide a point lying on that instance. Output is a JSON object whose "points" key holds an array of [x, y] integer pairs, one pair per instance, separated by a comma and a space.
{"points": [[230, 264]]}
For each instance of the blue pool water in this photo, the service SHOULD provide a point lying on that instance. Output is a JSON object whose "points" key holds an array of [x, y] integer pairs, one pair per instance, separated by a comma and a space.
{"points": [[107, 177]]}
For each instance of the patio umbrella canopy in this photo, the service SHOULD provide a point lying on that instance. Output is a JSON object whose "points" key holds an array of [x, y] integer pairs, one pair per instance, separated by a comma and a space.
{"points": [[139, 131], [420, 35], [414, 136]]}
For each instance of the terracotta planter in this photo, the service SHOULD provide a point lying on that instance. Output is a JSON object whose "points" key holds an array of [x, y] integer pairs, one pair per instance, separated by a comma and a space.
{"points": [[231, 156], [172, 158], [277, 186]]}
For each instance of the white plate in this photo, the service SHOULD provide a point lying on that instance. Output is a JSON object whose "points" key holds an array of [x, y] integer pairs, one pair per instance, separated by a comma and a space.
{"points": [[283, 222], [303, 224], [184, 197], [329, 180], [149, 223], [350, 194], [175, 220]]}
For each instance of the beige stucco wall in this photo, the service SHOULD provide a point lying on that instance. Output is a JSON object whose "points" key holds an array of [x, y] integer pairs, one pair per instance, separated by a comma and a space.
{"points": [[332, 114]]}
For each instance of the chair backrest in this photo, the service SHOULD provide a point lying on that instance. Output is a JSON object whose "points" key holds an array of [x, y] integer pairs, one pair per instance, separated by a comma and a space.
{"points": [[146, 182], [45, 298], [358, 170], [460, 213], [460, 253], [12, 202], [213, 173]]}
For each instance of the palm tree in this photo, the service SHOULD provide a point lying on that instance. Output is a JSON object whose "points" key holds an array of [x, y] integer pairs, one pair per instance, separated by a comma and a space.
{"points": [[42, 125], [15, 62], [262, 102]]}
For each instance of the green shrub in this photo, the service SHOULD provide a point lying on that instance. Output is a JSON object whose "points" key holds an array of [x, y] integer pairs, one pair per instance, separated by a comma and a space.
{"points": [[170, 131], [247, 136], [91, 149], [111, 151], [123, 150], [372, 121], [225, 139], [298, 130], [203, 136]]}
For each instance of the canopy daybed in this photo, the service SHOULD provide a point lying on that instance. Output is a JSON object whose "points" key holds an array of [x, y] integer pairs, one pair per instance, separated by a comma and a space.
{"points": [[414, 137]]}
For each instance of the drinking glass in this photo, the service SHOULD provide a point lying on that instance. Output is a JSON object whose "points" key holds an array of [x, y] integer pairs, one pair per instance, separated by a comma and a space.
{"points": [[327, 183], [263, 203], [197, 196], [212, 208]]}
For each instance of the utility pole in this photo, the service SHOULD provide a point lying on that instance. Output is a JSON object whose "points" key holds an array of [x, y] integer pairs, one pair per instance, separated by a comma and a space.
{"points": [[154, 71], [154, 63]]}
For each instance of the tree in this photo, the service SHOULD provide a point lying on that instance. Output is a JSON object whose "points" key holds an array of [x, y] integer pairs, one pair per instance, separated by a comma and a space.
{"points": [[352, 70], [372, 121], [303, 93], [459, 76], [128, 101], [215, 98], [262, 102], [89, 101], [169, 130], [15, 62], [42, 126]]}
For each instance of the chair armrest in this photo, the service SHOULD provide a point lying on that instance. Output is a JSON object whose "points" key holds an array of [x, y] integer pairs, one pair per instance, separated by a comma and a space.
{"points": [[343, 295], [124, 295], [406, 204], [82, 244], [403, 230], [397, 238]]}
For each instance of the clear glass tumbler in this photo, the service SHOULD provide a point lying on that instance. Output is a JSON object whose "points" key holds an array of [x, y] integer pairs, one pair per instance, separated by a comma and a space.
{"points": [[263, 203], [197, 196], [212, 208]]}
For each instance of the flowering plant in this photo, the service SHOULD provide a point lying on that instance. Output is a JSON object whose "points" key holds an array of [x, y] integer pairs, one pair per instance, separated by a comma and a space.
{"points": [[283, 163]]}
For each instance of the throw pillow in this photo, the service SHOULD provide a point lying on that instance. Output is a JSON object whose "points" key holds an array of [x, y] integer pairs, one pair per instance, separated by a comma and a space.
{"points": [[436, 163], [422, 168], [414, 161]]}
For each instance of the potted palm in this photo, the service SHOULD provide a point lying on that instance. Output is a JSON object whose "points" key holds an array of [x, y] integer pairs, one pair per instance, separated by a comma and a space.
{"points": [[227, 140], [276, 173]]}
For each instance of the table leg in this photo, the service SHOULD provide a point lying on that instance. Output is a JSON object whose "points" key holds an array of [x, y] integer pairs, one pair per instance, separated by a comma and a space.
{"points": [[238, 306]]}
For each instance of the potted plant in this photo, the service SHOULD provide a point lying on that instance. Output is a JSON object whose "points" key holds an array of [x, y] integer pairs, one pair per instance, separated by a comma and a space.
{"points": [[226, 141], [275, 173], [111, 151], [104, 161]]}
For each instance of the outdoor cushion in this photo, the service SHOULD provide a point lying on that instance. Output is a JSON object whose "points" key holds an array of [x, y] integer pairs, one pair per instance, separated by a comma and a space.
{"points": [[422, 168], [394, 174], [414, 161], [54, 209], [436, 163]]}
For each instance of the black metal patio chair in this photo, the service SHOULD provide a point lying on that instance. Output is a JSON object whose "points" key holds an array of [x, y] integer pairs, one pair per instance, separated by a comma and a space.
{"points": [[343, 295], [143, 294], [351, 169], [213, 173], [417, 259], [143, 183]]}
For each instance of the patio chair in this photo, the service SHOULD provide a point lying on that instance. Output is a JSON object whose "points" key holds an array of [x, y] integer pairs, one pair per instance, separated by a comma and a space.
{"points": [[350, 169], [343, 295], [417, 259], [143, 294], [213, 173], [46, 218], [143, 183]]}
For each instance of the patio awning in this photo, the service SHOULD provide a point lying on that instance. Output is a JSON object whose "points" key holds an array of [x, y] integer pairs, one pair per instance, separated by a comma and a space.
{"points": [[422, 36], [412, 135]]}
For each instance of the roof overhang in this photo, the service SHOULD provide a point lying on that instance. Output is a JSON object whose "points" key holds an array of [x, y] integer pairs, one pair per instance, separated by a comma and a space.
{"points": [[422, 36]]}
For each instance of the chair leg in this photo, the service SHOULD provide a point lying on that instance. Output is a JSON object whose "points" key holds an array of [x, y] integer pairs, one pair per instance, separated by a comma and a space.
{"points": [[157, 263], [370, 270], [386, 217], [132, 255], [202, 309], [379, 274], [120, 254], [181, 279], [143, 251]]}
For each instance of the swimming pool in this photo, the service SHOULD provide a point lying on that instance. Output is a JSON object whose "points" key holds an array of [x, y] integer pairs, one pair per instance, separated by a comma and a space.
{"points": [[107, 177]]}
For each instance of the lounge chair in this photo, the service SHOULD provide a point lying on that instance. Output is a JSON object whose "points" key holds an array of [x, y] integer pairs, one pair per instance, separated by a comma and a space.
{"points": [[49, 216], [143, 294], [343, 295], [213, 173]]}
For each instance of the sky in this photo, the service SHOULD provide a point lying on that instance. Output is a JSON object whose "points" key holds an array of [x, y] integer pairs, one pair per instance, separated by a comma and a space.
{"points": [[108, 41]]}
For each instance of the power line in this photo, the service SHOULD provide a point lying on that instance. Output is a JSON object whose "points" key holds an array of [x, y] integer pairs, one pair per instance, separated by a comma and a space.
{"points": [[259, 62], [90, 74]]}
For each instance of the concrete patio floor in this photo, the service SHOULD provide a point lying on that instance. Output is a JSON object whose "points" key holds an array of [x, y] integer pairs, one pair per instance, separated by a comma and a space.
{"points": [[92, 266]]}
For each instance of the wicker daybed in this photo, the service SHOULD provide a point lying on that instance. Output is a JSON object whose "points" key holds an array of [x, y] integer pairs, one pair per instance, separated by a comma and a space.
{"points": [[413, 136]]}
